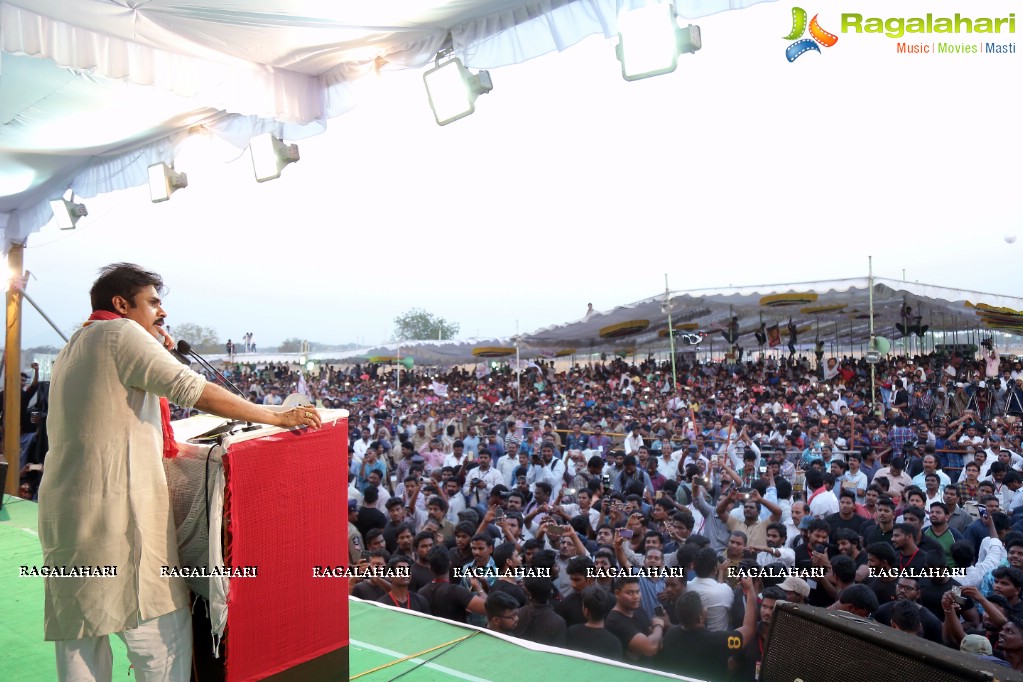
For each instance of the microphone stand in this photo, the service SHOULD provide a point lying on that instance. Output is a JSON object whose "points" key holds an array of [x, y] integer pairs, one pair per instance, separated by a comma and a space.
{"points": [[184, 348]]}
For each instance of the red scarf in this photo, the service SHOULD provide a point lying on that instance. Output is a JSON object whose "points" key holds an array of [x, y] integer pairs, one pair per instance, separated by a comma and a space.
{"points": [[170, 447]]}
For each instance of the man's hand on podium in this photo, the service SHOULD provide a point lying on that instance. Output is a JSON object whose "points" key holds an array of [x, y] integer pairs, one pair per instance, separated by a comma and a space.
{"points": [[303, 415]]}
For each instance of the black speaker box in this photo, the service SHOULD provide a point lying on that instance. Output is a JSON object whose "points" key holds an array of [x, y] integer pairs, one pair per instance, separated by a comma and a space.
{"points": [[811, 644]]}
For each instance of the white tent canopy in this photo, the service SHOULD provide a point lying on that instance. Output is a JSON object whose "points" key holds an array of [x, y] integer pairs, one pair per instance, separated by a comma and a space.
{"points": [[76, 112], [839, 309]]}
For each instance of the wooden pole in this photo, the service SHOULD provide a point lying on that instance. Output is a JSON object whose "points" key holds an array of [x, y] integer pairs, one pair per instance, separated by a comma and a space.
{"points": [[12, 373]]}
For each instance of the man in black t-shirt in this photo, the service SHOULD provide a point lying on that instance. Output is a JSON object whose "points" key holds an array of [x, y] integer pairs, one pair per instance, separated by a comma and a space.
{"points": [[639, 634], [592, 637], [422, 576], [881, 558], [537, 620], [695, 651], [910, 557], [502, 612], [372, 589], [846, 516], [369, 516], [448, 600], [908, 590], [399, 595], [571, 607]]}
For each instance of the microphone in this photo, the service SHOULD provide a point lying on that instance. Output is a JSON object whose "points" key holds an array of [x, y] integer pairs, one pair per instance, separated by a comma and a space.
{"points": [[180, 358], [184, 348]]}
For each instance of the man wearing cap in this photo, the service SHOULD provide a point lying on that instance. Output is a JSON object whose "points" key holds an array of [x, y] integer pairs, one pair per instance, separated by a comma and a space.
{"points": [[979, 646], [796, 589]]}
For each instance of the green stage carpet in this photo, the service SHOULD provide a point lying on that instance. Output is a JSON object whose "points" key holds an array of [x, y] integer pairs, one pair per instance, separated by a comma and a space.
{"points": [[441, 650], [24, 655]]}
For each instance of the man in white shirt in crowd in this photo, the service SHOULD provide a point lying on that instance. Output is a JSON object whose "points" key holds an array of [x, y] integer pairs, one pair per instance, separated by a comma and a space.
{"points": [[481, 480], [822, 500]]}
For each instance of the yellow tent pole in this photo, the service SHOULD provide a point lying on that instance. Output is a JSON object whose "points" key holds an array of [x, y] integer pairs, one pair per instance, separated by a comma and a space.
{"points": [[12, 373]]}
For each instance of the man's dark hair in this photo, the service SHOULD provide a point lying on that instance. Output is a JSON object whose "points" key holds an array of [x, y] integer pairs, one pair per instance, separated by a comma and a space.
{"points": [[780, 528], [773, 592], [420, 536], [844, 568], [122, 279], [371, 535], [499, 602], [538, 589], [1010, 573], [598, 602], [906, 615], [916, 512], [860, 596], [370, 495], [376, 552], [502, 553], [884, 551], [465, 528], [544, 558], [579, 565], [962, 553], [849, 535], [700, 541], [689, 608], [399, 559], [483, 537], [622, 581], [706, 563], [886, 502], [439, 502], [818, 524], [440, 564], [783, 488], [394, 502]]}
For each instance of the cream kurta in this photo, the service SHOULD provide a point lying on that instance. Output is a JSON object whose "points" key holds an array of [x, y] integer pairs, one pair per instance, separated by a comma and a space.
{"points": [[103, 500]]}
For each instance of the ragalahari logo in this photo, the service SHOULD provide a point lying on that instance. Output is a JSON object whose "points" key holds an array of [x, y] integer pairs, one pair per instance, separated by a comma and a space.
{"points": [[817, 35]]}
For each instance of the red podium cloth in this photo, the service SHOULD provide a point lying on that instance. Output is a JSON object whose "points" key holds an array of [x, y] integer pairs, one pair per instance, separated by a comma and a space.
{"points": [[286, 512]]}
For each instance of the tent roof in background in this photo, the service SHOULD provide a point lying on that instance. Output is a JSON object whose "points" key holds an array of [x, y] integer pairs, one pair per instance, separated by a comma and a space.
{"points": [[839, 309]]}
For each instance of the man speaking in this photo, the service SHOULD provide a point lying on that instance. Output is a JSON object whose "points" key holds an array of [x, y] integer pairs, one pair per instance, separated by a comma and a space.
{"points": [[104, 500]]}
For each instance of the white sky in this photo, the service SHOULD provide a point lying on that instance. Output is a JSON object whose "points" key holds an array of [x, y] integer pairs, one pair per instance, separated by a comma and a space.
{"points": [[569, 185]]}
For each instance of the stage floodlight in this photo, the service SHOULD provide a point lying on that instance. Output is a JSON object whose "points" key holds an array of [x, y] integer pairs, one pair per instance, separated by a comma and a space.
{"points": [[270, 155], [163, 180], [650, 41], [67, 213], [453, 90]]}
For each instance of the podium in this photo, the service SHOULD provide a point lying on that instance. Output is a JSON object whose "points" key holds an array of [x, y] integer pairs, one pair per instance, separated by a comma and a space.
{"points": [[269, 504]]}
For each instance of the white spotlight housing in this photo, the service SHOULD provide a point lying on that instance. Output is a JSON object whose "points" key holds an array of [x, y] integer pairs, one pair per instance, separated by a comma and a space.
{"points": [[67, 213], [650, 40], [163, 180], [453, 90], [270, 155]]}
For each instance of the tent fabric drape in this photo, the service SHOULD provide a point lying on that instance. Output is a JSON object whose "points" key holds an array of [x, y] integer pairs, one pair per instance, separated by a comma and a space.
{"points": [[280, 65]]}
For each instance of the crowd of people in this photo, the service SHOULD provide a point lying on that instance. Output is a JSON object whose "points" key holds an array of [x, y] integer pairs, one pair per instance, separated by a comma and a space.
{"points": [[903, 504], [907, 509]]}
